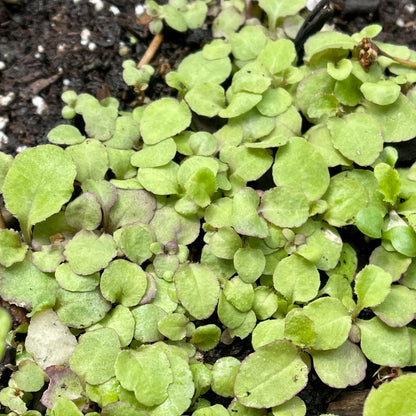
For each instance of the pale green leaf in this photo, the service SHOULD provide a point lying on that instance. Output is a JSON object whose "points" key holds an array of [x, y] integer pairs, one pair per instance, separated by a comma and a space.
{"points": [[332, 322], [365, 138], [197, 288], [330, 365], [32, 189], [155, 155], [384, 345], [65, 134], [94, 358], [123, 282], [17, 285], [271, 375], [296, 279], [284, 206], [164, 118], [393, 398], [88, 252], [310, 177]]}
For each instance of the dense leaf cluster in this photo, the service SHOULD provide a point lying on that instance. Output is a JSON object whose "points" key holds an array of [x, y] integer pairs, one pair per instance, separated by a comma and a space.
{"points": [[151, 236]]}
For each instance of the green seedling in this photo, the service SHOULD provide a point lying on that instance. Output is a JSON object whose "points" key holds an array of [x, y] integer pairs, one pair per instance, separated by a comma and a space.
{"points": [[150, 238]]}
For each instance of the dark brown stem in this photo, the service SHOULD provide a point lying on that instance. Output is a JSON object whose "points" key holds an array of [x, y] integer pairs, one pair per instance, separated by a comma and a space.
{"points": [[151, 50]]}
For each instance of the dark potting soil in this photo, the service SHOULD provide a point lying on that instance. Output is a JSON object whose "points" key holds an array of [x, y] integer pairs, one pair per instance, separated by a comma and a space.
{"points": [[42, 52]]}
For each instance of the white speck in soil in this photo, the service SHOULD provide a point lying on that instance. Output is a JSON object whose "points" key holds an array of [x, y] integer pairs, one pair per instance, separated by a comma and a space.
{"points": [[40, 104]]}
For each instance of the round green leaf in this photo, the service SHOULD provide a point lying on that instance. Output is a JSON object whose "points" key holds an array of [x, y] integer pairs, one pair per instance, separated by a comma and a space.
{"points": [[168, 225], [215, 70], [135, 241], [81, 309], [137, 369], [284, 206], [393, 398], [173, 326], [65, 134], [90, 158], [265, 302], [160, 180], [296, 278], [401, 113], [164, 118], [278, 55], [11, 248], [197, 288], [121, 320], [392, 262], [29, 377], [299, 328], [73, 282], [267, 331], [246, 44], [323, 105], [327, 242], [403, 239], [88, 253], [327, 40], [174, 18], [240, 103], [224, 372], [311, 178], [381, 92], [317, 82], [203, 143], [17, 285], [239, 294], [372, 285], [331, 365], [215, 410], [206, 99], [244, 216], [122, 409], [252, 77], [132, 206], [369, 221], [249, 263], [224, 243], [332, 322], [384, 345], [123, 282], [146, 318], [320, 137], [32, 189], [84, 212], [346, 196], [249, 164], [181, 390], [340, 70], [271, 375], [155, 155], [388, 310], [94, 358], [274, 102], [206, 337], [65, 406], [365, 139]]}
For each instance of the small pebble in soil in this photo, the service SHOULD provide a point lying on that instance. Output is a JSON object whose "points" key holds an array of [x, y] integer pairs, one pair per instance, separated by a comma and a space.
{"points": [[3, 139], [5, 100], [40, 104]]}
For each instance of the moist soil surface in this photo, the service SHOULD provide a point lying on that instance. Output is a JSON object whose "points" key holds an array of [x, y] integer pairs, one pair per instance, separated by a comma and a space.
{"points": [[47, 46]]}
